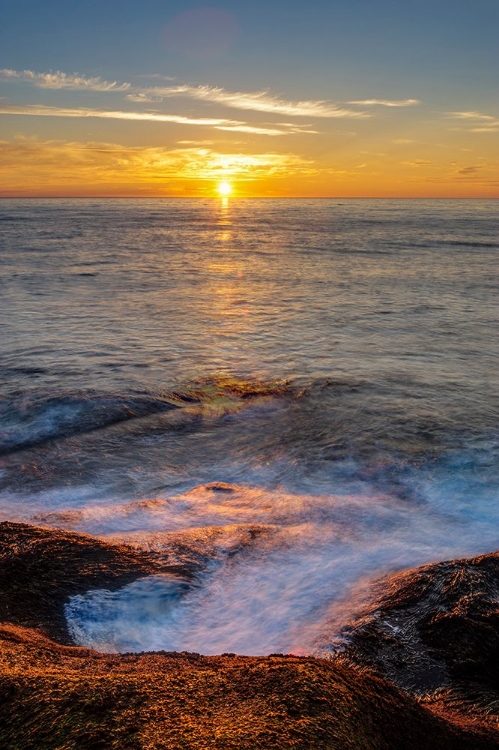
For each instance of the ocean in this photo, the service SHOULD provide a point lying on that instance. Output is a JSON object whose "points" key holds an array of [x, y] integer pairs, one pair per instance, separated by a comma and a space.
{"points": [[293, 397]]}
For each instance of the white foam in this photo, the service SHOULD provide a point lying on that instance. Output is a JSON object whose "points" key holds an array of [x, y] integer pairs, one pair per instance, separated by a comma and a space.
{"points": [[290, 590], [147, 603]]}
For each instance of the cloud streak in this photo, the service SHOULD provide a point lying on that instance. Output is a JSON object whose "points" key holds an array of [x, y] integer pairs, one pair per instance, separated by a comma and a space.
{"points": [[252, 129], [470, 116], [482, 123], [258, 101], [143, 98], [41, 110], [255, 101], [386, 102], [59, 80]]}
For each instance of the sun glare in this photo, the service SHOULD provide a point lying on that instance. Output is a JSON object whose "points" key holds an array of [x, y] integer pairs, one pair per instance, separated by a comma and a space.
{"points": [[224, 188]]}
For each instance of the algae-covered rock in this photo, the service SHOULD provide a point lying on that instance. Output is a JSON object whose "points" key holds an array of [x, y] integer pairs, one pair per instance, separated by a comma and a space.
{"points": [[57, 697], [41, 568], [54, 696]]}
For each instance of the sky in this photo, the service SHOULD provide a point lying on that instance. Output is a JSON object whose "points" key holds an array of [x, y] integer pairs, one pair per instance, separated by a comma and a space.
{"points": [[276, 98]]}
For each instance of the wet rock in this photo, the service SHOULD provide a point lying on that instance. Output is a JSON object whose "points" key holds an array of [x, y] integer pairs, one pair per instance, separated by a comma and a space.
{"points": [[59, 697], [41, 568], [435, 631]]}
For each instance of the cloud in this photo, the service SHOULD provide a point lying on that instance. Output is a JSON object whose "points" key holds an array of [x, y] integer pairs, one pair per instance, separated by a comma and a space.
{"points": [[468, 170], [491, 129], [481, 122], [40, 110], [59, 80], [478, 174], [253, 166], [251, 129], [289, 128], [143, 98], [386, 102], [294, 128], [419, 163], [50, 165], [259, 101], [470, 116], [157, 76]]}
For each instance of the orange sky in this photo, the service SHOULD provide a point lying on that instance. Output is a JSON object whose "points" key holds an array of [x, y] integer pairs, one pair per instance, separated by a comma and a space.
{"points": [[31, 166], [322, 101]]}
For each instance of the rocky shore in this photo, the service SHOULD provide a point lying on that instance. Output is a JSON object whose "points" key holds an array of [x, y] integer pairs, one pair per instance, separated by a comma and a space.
{"points": [[418, 669]]}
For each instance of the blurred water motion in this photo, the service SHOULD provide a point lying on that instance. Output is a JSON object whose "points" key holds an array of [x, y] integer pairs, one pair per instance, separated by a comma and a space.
{"points": [[294, 396]]}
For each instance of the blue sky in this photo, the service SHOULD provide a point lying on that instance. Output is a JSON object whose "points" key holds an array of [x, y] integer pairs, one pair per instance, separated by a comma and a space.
{"points": [[286, 43], [441, 55]]}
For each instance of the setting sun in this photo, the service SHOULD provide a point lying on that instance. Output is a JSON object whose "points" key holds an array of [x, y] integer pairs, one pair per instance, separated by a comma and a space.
{"points": [[224, 188]]}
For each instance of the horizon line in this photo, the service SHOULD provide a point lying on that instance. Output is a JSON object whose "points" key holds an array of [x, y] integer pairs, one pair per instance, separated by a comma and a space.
{"points": [[248, 197]]}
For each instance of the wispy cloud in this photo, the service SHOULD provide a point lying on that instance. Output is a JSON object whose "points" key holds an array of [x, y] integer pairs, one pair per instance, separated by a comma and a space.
{"points": [[40, 110], [157, 76], [144, 98], [470, 116], [386, 102], [280, 128], [480, 174], [468, 170], [483, 174], [295, 128], [58, 80], [258, 101], [419, 163], [252, 129], [480, 122]]}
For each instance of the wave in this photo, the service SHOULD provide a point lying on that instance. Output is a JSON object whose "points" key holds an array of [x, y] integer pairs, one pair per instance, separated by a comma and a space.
{"points": [[468, 243], [435, 242], [33, 418]]}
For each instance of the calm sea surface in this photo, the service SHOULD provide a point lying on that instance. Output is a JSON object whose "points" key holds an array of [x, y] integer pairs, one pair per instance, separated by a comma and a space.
{"points": [[294, 397]]}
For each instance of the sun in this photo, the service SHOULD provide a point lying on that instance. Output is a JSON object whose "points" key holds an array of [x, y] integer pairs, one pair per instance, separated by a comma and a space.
{"points": [[224, 188]]}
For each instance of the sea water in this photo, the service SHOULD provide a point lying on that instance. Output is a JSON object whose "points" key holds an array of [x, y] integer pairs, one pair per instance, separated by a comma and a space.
{"points": [[293, 398]]}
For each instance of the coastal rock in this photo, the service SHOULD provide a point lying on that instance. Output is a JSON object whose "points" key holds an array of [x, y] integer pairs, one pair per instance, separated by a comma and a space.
{"points": [[41, 568], [60, 697], [434, 627], [56, 697], [434, 632]]}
